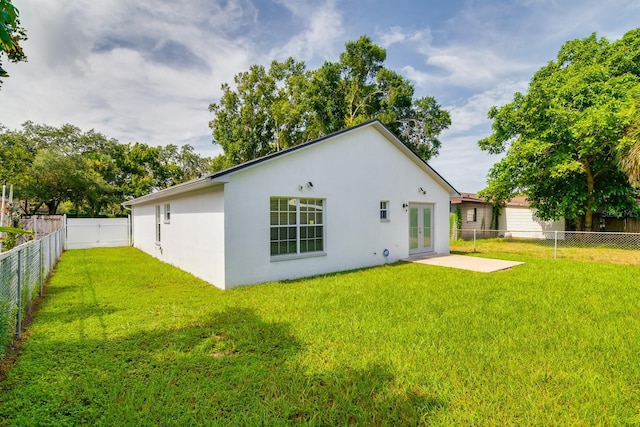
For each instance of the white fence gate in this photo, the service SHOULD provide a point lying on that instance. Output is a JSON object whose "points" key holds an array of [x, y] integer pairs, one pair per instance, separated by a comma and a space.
{"points": [[83, 233]]}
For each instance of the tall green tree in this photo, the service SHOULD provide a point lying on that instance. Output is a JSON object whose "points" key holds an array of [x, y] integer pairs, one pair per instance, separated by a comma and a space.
{"points": [[269, 110], [324, 101], [361, 62], [53, 165], [262, 114], [56, 177], [11, 35], [16, 155], [563, 138]]}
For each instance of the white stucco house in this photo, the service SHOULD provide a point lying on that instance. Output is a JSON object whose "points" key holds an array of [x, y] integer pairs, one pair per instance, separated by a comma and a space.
{"points": [[352, 199]]}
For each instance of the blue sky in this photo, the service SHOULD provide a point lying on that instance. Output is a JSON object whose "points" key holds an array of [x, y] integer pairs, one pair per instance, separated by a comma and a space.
{"points": [[146, 70]]}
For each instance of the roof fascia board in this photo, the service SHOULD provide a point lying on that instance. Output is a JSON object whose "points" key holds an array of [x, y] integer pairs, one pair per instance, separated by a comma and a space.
{"points": [[176, 189]]}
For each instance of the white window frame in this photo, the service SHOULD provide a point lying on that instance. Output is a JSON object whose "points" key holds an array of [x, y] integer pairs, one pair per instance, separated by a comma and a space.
{"points": [[294, 222], [158, 225], [384, 211], [167, 213]]}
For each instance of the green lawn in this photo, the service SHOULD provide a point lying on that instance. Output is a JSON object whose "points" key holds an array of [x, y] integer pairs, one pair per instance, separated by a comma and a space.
{"points": [[122, 339], [545, 249]]}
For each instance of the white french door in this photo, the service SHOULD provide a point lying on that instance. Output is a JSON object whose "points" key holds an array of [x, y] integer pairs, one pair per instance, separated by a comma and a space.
{"points": [[420, 229]]}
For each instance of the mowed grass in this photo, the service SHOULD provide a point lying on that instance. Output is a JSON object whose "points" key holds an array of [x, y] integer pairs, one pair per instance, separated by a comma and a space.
{"points": [[545, 249], [122, 339]]}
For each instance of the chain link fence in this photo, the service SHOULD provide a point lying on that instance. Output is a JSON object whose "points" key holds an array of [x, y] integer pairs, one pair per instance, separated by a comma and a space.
{"points": [[23, 271], [560, 242]]}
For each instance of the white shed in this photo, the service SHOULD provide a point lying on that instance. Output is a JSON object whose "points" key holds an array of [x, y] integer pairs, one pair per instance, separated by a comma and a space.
{"points": [[521, 221], [352, 199]]}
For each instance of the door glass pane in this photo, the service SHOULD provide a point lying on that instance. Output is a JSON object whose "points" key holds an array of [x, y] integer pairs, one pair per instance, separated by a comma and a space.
{"points": [[426, 227], [413, 228]]}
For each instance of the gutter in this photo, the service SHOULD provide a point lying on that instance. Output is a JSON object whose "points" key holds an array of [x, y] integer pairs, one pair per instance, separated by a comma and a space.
{"points": [[185, 187]]}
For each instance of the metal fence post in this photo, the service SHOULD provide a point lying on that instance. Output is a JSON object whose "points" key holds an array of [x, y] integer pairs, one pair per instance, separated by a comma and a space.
{"points": [[474, 240], [19, 296], [555, 246], [64, 227], [41, 258], [49, 254]]}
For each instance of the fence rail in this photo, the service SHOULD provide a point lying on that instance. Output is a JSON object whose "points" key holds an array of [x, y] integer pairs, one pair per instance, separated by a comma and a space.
{"points": [[558, 240], [23, 271]]}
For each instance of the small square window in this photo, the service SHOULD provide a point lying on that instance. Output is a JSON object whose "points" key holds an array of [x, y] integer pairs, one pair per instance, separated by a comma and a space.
{"points": [[167, 213], [384, 210], [472, 215]]}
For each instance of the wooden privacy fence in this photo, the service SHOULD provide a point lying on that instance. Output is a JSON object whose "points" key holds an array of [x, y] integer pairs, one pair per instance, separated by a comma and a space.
{"points": [[42, 225]]}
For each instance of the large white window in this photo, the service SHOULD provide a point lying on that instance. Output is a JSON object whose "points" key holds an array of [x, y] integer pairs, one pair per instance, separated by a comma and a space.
{"points": [[297, 226]]}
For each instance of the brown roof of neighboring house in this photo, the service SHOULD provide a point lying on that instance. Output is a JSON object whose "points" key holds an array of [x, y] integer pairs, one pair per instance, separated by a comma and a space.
{"points": [[473, 198], [518, 201], [467, 198]]}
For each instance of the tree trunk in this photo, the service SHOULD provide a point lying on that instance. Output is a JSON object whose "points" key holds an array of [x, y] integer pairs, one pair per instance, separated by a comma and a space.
{"points": [[588, 215], [588, 220], [495, 217], [52, 206]]}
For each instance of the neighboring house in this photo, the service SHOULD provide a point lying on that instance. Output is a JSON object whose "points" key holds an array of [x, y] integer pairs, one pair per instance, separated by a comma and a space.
{"points": [[475, 212], [516, 218], [352, 199]]}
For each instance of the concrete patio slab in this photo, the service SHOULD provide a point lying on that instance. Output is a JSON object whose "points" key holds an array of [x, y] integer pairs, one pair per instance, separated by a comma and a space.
{"points": [[463, 262]]}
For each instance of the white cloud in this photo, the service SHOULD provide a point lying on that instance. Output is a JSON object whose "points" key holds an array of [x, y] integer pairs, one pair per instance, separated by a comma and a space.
{"points": [[146, 70], [399, 35], [464, 66], [323, 27], [559, 21], [473, 111], [463, 164], [108, 66], [461, 159], [394, 35], [458, 62]]}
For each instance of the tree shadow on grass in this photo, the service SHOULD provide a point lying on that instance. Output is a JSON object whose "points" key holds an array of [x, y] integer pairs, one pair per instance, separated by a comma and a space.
{"points": [[232, 368], [60, 289]]}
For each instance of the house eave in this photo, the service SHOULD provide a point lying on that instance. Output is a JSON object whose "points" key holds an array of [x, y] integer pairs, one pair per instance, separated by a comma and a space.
{"points": [[186, 187]]}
